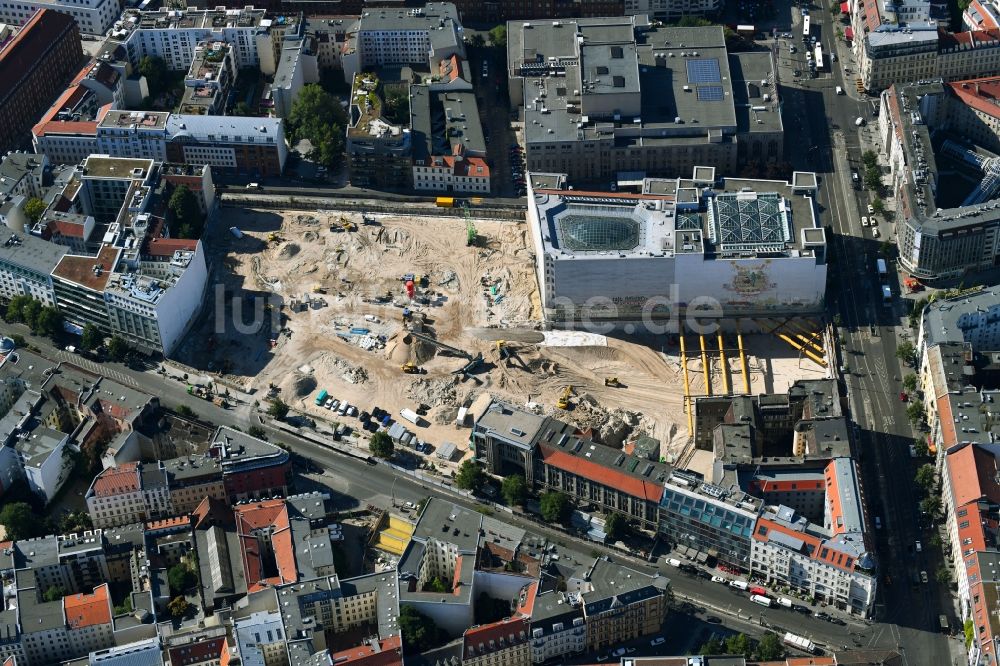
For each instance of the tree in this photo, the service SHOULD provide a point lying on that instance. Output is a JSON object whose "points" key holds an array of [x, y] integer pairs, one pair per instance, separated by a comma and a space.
{"points": [[54, 593], [615, 526], [514, 490], [835, 8], [554, 506], [436, 585], [739, 644], [76, 521], [712, 646], [693, 22], [257, 431], [91, 338], [420, 633], [470, 476], [278, 409], [477, 41], [180, 578], [242, 109], [915, 412], [178, 607], [769, 648], [15, 309], [317, 116], [920, 446], [117, 348], [125, 608], [910, 382], [498, 36], [29, 314], [186, 214], [926, 477], [943, 575], [380, 444], [906, 352], [397, 108], [34, 208], [878, 206], [873, 178], [155, 71], [184, 410], [19, 521], [931, 505], [869, 158], [48, 322]]}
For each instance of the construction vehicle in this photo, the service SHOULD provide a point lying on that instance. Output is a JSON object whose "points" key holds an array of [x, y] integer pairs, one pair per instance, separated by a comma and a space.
{"points": [[347, 225], [219, 401], [273, 237], [198, 391], [410, 368], [471, 235], [613, 382], [563, 402], [318, 289]]}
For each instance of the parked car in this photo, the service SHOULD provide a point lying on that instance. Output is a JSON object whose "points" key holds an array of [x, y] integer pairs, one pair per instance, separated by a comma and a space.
{"points": [[659, 640], [719, 579], [871, 209], [713, 619]]}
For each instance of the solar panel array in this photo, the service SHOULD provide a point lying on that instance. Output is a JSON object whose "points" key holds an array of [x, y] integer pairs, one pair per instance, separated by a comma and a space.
{"points": [[704, 70], [710, 94]]}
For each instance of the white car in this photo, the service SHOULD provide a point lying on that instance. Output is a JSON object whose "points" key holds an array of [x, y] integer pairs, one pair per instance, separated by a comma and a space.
{"points": [[864, 221], [659, 640], [719, 579], [619, 652], [875, 233], [871, 209], [673, 562]]}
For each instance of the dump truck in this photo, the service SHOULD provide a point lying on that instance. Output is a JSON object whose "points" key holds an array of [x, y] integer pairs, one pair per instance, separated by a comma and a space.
{"points": [[198, 391], [445, 202], [219, 401]]}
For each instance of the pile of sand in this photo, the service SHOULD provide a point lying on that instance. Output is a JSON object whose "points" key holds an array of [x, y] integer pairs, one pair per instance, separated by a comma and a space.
{"points": [[612, 427], [288, 251], [434, 392]]}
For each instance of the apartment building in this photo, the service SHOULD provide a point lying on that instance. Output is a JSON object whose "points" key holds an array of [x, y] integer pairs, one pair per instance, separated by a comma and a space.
{"points": [[34, 67], [261, 639], [26, 265], [209, 80], [557, 627], [391, 37], [506, 642], [68, 628], [127, 494], [619, 604], [668, 10], [711, 520], [601, 97], [92, 17], [972, 113]]}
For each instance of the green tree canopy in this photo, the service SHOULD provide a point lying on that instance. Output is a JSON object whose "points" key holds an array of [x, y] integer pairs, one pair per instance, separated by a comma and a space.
{"points": [[180, 578], [926, 477], [380, 444], [869, 158], [498, 36], [420, 633], [906, 352], [554, 506], [48, 322], [20, 521], [241, 108], [185, 213], [931, 505], [178, 607], [615, 526], [34, 208], [878, 205], [317, 117], [257, 431], [739, 644], [477, 41], [514, 490], [91, 338], [54, 593], [915, 412], [155, 70], [278, 409], [910, 382], [873, 178], [769, 648], [469, 476], [713, 645], [117, 348]]}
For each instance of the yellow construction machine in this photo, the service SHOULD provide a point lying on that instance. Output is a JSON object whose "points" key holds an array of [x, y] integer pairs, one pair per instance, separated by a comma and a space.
{"points": [[410, 368], [563, 402], [613, 382]]}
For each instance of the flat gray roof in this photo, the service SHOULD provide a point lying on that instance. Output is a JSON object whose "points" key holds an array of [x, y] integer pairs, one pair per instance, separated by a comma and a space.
{"points": [[510, 423], [29, 252]]}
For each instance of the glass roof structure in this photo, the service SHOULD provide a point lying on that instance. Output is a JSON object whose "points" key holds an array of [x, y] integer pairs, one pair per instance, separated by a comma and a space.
{"points": [[749, 221], [598, 228]]}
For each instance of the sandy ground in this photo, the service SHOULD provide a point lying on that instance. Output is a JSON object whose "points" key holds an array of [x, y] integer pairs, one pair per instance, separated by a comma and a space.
{"points": [[474, 296]]}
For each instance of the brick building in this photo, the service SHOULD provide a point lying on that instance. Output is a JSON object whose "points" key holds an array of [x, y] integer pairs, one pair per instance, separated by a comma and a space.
{"points": [[35, 67]]}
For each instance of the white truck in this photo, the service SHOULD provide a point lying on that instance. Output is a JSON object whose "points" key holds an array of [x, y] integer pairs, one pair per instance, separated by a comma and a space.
{"points": [[882, 268], [410, 416], [799, 643], [762, 600]]}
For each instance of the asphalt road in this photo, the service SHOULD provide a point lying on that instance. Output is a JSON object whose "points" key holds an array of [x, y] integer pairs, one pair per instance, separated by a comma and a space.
{"points": [[906, 613]]}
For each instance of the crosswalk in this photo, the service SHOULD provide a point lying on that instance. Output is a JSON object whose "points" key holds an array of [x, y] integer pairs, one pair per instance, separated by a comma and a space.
{"points": [[97, 369]]}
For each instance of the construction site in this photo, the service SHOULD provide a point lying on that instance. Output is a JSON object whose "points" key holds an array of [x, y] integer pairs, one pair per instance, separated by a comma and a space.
{"points": [[429, 313]]}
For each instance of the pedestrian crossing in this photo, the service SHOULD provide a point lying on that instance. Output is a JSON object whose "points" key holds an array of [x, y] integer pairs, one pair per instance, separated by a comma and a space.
{"points": [[97, 369]]}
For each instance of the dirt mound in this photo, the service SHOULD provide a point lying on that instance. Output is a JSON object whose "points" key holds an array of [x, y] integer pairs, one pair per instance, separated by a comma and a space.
{"points": [[310, 236], [612, 427], [332, 364], [303, 385], [434, 392], [288, 251], [418, 351], [306, 219]]}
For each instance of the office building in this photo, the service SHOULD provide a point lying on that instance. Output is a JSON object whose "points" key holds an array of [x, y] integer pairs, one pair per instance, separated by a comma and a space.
{"points": [[606, 99], [92, 17], [34, 68], [748, 246]]}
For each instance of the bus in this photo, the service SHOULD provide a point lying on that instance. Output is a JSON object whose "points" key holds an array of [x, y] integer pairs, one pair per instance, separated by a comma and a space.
{"points": [[805, 28], [321, 397], [818, 55]]}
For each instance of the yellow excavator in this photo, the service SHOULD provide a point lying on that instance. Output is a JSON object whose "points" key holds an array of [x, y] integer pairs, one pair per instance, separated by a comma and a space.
{"points": [[273, 237], [410, 368], [348, 225], [563, 402], [613, 382]]}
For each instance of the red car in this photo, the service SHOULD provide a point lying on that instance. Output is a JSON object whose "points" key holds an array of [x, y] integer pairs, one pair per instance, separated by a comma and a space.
{"points": [[758, 590], [903, 397]]}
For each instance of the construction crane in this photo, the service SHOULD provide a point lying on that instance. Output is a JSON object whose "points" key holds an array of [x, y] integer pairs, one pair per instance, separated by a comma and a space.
{"points": [[470, 228], [563, 402]]}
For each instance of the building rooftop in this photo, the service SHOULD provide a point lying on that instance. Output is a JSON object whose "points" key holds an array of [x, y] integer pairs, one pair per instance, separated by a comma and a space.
{"points": [[609, 584], [88, 610], [118, 168], [215, 20], [511, 424], [28, 252], [89, 271], [433, 16], [140, 653], [959, 319], [146, 120]]}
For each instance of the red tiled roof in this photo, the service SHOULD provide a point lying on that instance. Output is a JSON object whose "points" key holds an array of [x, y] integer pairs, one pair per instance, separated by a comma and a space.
{"points": [[973, 472], [604, 475], [504, 635], [526, 601], [271, 515], [65, 228], [117, 480], [167, 523], [981, 94], [984, 12], [968, 39], [814, 544], [165, 247], [389, 652], [88, 610], [207, 649]]}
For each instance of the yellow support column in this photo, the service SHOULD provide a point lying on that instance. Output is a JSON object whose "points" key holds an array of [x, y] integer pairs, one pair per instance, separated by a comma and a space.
{"points": [[743, 361], [725, 366], [687, 389], [704, 366]]}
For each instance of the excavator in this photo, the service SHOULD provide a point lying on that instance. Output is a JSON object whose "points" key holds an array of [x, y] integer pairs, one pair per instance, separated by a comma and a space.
{"points": [[563, 402], [410, 368], [613, 382]]}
